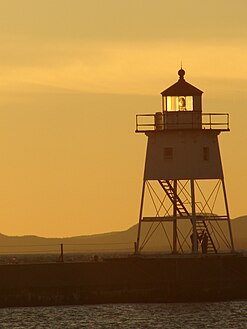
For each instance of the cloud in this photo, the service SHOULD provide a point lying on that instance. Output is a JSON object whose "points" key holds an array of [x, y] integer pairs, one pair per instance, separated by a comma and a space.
{"points": [[117, 67], [123, 19]]}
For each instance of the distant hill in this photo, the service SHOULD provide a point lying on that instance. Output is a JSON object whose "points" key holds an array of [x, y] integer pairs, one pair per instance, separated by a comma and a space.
{"points": [[239, 229], [122, 241]]}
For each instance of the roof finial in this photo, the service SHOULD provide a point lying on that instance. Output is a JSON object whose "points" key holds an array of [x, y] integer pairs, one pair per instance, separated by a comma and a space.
{"points": [[181, 72]]}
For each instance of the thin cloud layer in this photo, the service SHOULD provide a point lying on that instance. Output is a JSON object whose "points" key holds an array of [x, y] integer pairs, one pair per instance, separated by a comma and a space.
{"points": [[120, 68]]}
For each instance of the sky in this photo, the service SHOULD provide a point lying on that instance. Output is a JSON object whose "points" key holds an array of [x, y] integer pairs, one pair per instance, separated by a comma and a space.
{"points": [[73, 75]]}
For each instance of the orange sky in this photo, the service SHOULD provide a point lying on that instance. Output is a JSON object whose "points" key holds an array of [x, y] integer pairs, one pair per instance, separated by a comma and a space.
{"points": [[73, 74]]}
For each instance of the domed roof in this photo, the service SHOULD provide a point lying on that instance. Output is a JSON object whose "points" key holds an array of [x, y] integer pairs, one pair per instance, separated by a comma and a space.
{"points": [[181, 87]]}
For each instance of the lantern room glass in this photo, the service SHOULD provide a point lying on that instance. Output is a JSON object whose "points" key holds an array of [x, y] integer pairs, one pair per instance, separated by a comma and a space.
{"points": [[179, 103]]}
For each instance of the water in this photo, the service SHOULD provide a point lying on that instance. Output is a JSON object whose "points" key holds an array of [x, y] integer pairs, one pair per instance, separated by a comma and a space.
{"points": [[223, 315]]}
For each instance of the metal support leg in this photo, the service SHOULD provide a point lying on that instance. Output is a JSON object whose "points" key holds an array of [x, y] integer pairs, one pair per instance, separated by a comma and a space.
{"points": [[140, 220], [193, 206], [228, 215], [174, 250]]}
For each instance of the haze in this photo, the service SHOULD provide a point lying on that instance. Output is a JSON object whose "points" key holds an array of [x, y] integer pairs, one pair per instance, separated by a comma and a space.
{"points": [[73, 74]]}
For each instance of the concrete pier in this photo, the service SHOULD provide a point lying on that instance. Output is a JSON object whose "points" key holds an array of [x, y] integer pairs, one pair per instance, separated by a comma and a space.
{"points": [[133, 279]]}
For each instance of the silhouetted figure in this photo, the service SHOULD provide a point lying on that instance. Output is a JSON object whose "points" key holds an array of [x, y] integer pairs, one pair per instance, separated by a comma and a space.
{"points": [[96, 258], [200, 238], [204, 243]]}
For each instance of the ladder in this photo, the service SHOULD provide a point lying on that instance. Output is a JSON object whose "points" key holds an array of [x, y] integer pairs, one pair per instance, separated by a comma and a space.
{"points": [[201, 226]]}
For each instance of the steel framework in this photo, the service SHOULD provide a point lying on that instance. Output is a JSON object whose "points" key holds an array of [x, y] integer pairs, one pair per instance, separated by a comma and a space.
{"points": [[185, 210]]}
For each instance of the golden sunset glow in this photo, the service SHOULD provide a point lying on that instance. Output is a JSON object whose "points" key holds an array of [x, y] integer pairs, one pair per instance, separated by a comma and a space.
{"points": [[73, 75]]}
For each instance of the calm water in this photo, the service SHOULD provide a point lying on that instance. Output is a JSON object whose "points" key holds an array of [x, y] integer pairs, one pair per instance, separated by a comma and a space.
{"points": [[201, 315]]}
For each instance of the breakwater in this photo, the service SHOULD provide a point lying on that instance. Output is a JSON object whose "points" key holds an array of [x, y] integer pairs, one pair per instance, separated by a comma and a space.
{"points": [[129, 279]]}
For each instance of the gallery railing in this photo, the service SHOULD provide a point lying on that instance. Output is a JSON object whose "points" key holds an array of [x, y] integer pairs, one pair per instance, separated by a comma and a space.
{"points": [[182, 120]]}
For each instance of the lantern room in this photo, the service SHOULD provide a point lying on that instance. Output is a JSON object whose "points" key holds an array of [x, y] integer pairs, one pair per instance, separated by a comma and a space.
{"points": [[181, 96]]}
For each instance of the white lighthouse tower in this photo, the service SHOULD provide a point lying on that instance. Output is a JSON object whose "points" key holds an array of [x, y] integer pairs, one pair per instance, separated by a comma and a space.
{"points": [[183, 190]]}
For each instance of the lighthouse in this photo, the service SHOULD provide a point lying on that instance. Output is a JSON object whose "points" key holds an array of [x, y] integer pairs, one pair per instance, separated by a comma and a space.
{"points": [[183, 192]]}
